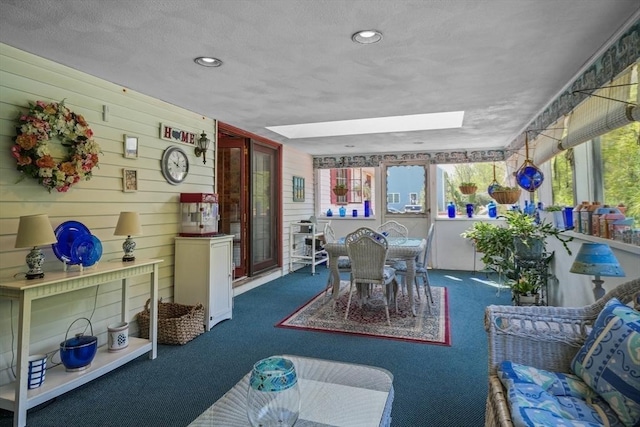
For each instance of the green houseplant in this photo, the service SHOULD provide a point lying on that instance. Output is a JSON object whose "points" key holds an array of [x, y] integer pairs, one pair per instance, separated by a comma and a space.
{"points": [[468, 187], [519, 236]]}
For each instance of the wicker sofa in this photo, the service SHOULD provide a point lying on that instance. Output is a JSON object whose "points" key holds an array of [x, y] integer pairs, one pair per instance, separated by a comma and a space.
{"points": [[543, 337]]}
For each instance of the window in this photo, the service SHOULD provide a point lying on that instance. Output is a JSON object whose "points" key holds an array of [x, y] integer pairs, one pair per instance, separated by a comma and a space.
{"points": [[358, 185], [450, 176], [406, 188], [605, 169]]}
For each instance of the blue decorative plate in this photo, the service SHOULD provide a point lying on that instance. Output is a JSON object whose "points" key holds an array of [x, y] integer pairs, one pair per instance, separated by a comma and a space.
{"points": [[86, 250], [67, 233]]}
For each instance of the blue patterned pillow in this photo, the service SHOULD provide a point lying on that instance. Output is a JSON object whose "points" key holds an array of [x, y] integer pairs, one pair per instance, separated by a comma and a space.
{"points": [[543, 398], [609, 360]]}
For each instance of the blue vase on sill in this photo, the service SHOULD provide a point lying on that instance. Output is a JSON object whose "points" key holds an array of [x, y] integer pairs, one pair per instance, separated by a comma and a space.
{"points": [[470, 210], [342, 211], [451, 210]]}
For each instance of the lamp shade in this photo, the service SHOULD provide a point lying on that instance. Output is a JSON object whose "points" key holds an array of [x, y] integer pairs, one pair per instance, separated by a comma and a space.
{"points": [[596, 259], [128, 225], [34, 230]]}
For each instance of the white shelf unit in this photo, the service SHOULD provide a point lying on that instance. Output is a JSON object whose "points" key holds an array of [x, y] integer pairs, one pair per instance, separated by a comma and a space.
{"points": [[203, 274], [16, 396], [299, 251]]}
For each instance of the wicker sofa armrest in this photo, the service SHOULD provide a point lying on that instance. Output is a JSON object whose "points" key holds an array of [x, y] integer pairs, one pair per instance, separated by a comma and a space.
{"points": [[545, 337]]}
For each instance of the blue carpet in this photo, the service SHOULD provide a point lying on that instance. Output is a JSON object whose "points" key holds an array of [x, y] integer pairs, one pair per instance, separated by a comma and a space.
{"points": [[434, 385]]}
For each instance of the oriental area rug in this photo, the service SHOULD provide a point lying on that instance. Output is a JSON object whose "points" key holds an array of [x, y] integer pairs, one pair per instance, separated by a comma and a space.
{"points": [[320, 314]]}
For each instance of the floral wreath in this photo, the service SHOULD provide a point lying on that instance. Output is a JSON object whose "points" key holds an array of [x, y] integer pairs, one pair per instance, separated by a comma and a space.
{"points": [[35, 130]]}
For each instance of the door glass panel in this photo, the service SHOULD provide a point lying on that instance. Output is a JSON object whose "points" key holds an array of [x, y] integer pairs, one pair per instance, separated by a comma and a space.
{"points": [[263, 204]]}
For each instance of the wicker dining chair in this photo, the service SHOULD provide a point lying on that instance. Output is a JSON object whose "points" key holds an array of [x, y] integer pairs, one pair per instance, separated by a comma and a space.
{"points": [[421, 270], [344, 263], [367, 250], [393, 229]]}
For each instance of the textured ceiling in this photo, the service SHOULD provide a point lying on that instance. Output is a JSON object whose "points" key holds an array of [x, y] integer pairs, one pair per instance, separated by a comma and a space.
{"points": [[293, 61]]}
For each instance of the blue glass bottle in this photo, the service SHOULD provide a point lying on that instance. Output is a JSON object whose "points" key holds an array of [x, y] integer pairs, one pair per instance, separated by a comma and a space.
{"points": [[493, 210], [451, 210], [342, 211]]}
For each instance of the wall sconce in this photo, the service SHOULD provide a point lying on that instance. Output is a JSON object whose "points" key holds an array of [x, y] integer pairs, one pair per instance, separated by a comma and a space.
{"points": [[33, 231], [202, 147], [128, 225], [597, 259]]}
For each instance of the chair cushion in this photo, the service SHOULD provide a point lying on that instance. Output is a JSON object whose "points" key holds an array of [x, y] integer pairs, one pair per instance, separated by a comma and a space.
{"points": [[344, 263], [401, 267], [543, 398], [609, 360], [389, 273]]}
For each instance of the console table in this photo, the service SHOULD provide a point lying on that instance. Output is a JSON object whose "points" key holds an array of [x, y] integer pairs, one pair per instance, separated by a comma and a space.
{"points": [[16, 396]]}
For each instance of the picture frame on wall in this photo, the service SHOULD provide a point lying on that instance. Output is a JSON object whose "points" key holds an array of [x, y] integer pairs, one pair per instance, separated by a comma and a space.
{"points": [[131, 146], [129, 180], [298, 189]]}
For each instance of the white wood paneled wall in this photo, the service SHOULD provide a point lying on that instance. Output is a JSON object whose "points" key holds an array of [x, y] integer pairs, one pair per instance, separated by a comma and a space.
{"points": [[96, 203], [295, 163]]}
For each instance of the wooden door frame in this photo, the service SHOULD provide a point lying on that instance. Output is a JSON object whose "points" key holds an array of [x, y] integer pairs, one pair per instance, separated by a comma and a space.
{"points": [[232, 130]]}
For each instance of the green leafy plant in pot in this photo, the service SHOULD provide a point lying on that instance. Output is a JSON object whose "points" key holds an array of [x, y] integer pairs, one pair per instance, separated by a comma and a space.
{"points": [[519, 236]]}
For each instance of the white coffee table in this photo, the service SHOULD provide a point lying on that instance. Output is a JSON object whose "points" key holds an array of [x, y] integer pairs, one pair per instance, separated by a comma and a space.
{"points": [[331, 394]]}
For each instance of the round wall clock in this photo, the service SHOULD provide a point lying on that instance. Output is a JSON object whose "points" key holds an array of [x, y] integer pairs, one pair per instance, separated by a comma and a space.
{"points": [[174, 165]]}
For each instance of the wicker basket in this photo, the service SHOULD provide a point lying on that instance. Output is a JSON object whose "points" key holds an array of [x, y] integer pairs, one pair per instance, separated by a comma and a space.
{"points": [[177, 323], [506, 197], [468, 189]]}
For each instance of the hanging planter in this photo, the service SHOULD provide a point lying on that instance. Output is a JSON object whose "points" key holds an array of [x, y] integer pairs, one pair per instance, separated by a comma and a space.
{"points": [[506, 195], [340, 190], [468, 188]]}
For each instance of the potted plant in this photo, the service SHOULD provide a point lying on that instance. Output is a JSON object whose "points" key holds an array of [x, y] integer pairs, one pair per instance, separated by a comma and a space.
{"points": [[340, 189], [526, 289], [520, 237], [468, 187], [505, 195], [556, 213]]}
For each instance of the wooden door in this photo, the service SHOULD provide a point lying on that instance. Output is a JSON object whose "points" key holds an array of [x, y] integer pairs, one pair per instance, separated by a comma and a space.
{"points": [[233, 200]]}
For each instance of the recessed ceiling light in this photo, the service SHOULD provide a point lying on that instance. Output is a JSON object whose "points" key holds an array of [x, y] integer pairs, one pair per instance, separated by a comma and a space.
{"points": [[207, 61], [367, 36]]}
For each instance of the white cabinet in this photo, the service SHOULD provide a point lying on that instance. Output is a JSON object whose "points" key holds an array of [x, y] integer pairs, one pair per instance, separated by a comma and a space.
{"points": [[203, 275], [305, 244]]}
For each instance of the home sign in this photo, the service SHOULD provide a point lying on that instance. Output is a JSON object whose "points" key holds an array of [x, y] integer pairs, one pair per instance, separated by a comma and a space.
{"points": [[172, 133]]}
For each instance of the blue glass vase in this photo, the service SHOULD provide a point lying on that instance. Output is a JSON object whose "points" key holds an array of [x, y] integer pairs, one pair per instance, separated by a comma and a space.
{"points": [[273, 398], [470, 210]]}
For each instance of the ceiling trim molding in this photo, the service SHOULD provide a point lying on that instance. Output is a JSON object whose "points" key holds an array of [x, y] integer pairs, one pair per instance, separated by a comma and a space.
{"points": [[435, 157]]}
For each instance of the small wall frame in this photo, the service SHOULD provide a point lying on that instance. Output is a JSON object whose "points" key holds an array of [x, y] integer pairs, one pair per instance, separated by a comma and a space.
{"points": [[129, 180], [130, 146], [298, 189]]}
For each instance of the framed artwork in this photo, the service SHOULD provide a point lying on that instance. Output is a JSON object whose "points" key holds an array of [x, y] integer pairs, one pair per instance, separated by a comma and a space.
{"points": [[129, 180], [298, 189], [131, 146]]}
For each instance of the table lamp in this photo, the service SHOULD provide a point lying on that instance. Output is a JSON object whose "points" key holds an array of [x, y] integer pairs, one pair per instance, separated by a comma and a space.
{"points": [[597, 259], [128, 225], [34, 231]]}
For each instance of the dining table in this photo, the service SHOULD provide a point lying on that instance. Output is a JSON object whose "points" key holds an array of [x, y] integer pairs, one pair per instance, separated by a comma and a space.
{"points": [[400, 249]]}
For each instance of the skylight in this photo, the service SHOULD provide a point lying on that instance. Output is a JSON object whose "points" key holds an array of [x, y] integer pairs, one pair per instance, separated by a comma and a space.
{"points": [[408, 123]]}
